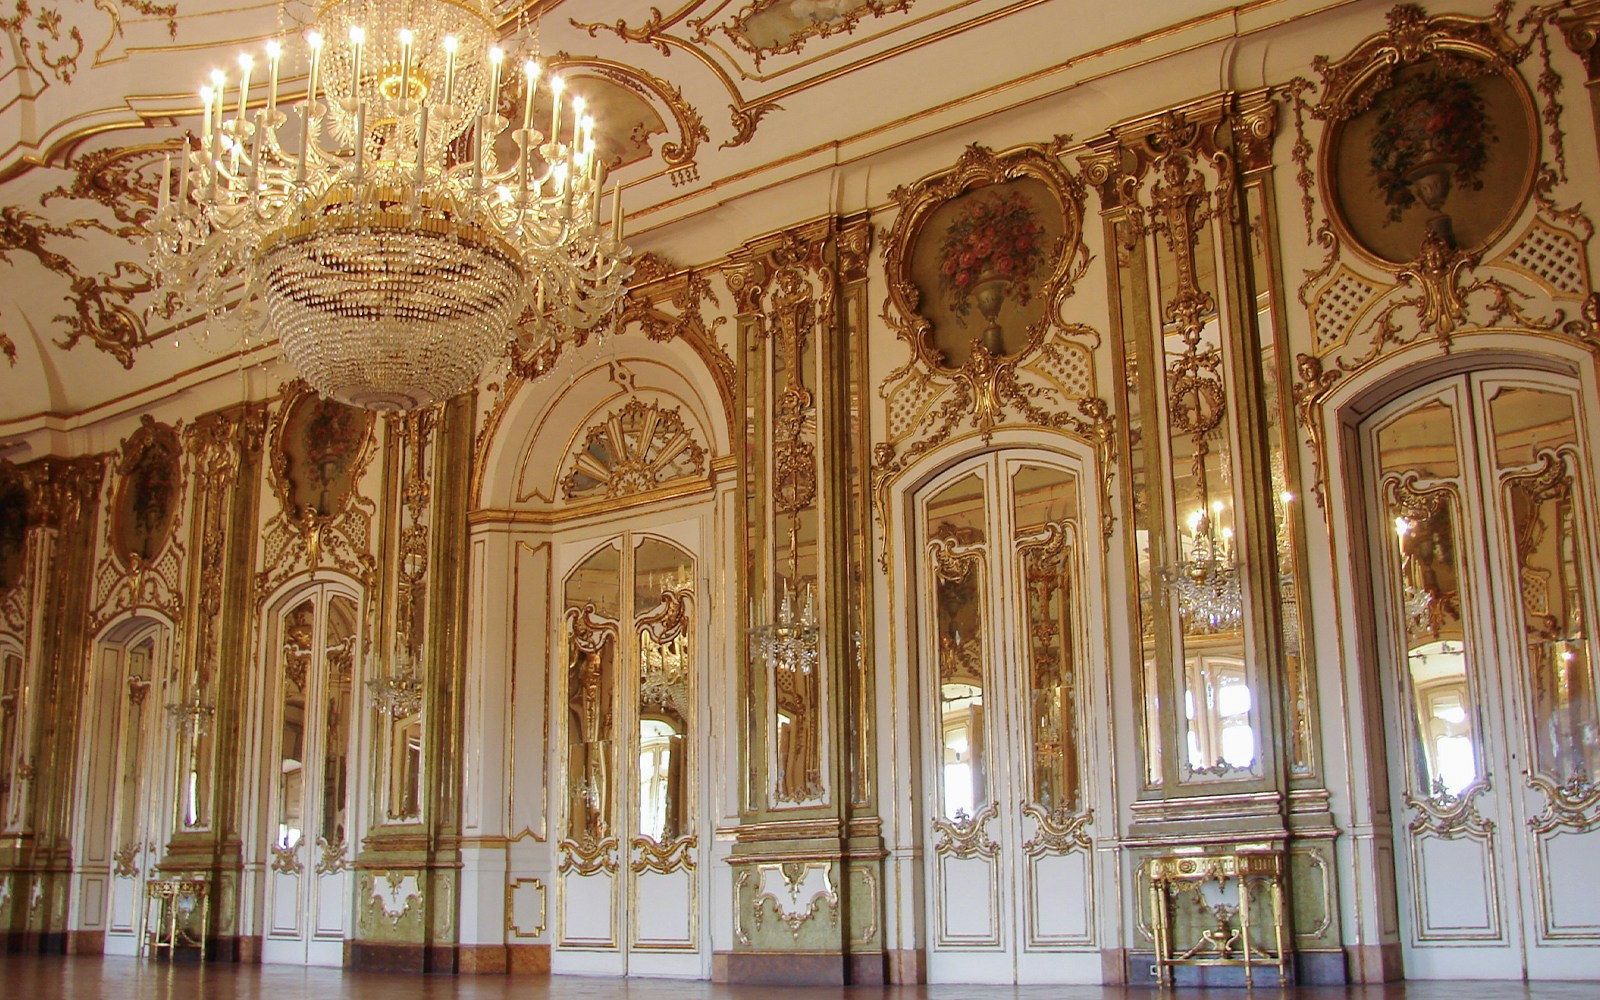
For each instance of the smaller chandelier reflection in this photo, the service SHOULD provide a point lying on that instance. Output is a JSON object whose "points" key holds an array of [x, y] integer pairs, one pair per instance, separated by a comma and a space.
{"points": [[191, 718], [790, 644], [397, 694], [1205, 579]]}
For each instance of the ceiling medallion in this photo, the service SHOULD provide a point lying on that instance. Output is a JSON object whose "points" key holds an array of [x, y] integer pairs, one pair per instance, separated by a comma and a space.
{"points": [[391, 223]]}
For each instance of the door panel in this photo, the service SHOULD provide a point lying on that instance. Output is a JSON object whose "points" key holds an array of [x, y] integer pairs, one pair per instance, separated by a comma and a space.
{"points": [[315, 646], [1003, 579], [141, 799], [1483, 514], [628, 860]]}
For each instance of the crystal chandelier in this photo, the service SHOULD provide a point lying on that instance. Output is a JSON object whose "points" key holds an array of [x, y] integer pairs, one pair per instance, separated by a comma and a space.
{"points": [[191, 718], [391, 223], [1205, 579], [791, 643], [397, 694]]}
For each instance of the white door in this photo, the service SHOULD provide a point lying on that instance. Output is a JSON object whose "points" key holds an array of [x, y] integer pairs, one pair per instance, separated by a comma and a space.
{"points": [[1008, 560], [1482, 510], [141, 803], [312, 654], [629, 814]]}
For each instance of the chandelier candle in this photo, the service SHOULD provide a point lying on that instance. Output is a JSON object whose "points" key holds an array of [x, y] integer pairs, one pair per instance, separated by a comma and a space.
{"points": [[387, 237]]}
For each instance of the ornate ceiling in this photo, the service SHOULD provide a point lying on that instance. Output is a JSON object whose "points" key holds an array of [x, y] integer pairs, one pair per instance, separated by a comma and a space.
{"points": [[705, 102]]}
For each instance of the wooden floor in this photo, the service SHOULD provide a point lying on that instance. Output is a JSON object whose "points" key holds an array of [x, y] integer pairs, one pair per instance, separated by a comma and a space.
{"points": [[29, 977]]}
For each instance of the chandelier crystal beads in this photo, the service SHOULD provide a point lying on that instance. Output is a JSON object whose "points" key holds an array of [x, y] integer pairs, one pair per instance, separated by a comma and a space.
{"points": [[1205, 580], [791, 644], [392, 223]]}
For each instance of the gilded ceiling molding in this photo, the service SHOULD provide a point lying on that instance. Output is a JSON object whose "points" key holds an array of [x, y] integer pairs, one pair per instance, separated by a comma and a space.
{"points": [[1411, 281], [737, 27], [142, 558], [319, 451], [744, 115], [677, 154], [50, 39], [980, 263], [124, 179], [101, 303]]}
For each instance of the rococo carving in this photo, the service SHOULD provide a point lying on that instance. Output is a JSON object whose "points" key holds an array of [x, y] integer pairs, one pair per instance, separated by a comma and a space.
{"points": [[632, 450]]}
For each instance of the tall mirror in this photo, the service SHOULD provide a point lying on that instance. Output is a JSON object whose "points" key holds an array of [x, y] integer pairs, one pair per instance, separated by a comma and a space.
{"points": [[592, 603], [956, 521], [663, 605]]}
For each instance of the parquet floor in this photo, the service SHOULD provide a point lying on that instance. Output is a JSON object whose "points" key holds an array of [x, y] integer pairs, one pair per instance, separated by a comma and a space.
{"points": [[32, 977]]}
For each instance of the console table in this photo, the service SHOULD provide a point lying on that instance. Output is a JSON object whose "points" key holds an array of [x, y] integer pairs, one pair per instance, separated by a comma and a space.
{"points": [[1229, 942], [176, 898]]}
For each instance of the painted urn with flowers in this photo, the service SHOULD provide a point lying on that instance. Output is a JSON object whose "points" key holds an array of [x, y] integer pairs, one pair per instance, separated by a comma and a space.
{"points": [[991, 254], [1432, 133]]}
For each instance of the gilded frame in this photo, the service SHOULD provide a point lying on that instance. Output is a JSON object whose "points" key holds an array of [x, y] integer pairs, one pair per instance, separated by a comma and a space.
{"points": [[1066, 260], [150, 435], [295, 394], [1354, 84]]}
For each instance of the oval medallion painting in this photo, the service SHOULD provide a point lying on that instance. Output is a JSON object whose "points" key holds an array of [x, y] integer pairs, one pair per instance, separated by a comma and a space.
{"points": [[147, 498], [323, 442], [1446, 148], [979, 264]]}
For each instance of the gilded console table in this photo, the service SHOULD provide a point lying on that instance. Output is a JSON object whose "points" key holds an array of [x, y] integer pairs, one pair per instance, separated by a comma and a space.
{"points": [[1229, 942], [176, 899]]}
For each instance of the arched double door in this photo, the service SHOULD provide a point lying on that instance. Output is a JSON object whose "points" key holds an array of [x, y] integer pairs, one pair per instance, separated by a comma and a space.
{"points": [[129, 801], [313, 654], [1481, 514], [627, 799], [1010, 646]]}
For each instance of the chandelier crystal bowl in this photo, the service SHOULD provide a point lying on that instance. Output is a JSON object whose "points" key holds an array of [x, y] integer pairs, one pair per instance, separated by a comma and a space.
{"points": [[391, 222]]}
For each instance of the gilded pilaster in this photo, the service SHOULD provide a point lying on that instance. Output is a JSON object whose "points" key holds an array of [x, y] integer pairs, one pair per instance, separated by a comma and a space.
{"points": [[36, 859], [225, 458], [808, 855], [407, 885]]}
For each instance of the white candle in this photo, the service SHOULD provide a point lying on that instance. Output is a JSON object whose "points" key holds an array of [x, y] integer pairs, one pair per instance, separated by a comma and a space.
{"points": [[219, 83], [616, 212], [530, 70], [166, 182], [305, 142], [245, 65], [183, 179], [495, 56], [361, 138], [358, 38], [557, 85], [449, 69], [477, 153], [255, 156], [406, 38], [274, 53], [205, 118], [422, 147], [314, 39]]}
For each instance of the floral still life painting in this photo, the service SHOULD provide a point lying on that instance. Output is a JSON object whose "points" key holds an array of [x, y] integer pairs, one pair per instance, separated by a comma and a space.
{"points": [[1444, 148], [324, 439], [1433, 131], [979, 264], [148, 502]]}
